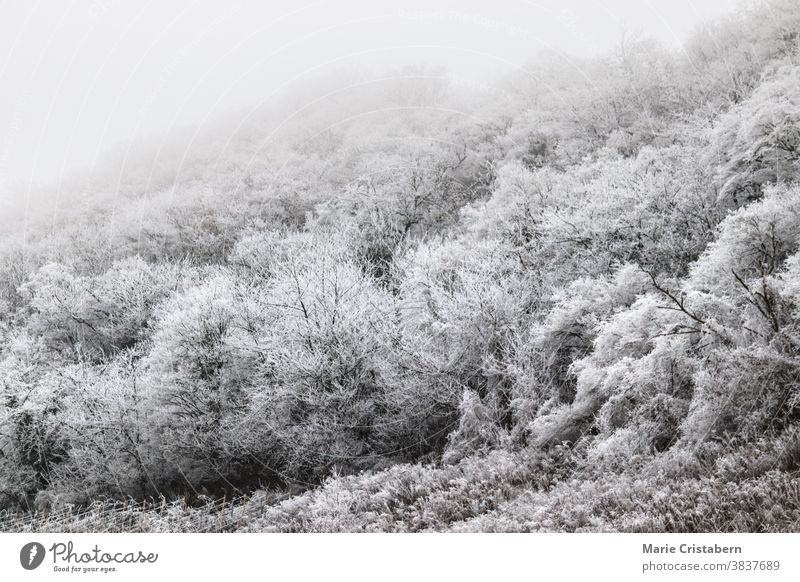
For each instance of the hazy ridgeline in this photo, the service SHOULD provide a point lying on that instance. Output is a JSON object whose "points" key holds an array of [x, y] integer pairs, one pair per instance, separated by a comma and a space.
{"points": [[526, 306]]}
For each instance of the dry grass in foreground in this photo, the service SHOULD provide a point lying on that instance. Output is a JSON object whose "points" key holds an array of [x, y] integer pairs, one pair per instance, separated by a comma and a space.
{"points": [[497, 492]]}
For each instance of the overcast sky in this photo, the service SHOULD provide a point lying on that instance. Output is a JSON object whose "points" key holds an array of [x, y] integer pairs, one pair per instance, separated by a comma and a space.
{"points": [[79, 77]]}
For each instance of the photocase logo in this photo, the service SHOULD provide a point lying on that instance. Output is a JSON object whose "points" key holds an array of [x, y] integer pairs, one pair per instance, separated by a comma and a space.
{"points": [[31, 555]]}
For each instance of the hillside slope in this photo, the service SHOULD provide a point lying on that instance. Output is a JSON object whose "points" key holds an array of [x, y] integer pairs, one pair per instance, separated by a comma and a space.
{"points": [[416, 307]]}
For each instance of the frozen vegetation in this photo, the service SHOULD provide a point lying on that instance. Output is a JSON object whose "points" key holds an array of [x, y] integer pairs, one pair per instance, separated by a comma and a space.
{"points": [[566, 302]]}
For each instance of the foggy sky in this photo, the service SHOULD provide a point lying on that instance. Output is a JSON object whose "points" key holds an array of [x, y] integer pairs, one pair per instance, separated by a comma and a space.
{"points": [[77, 78]]}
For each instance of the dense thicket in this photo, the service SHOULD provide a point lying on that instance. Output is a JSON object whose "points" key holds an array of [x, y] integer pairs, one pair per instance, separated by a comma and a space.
{"points": [[407, 270]]}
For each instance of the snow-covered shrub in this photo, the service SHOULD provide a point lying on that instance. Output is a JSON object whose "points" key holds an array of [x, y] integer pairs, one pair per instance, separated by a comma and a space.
{"points": [[321, 394], [104, 421], [96, 316], [194, 379], [461, 306], [758, 142], [545, 351]]}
